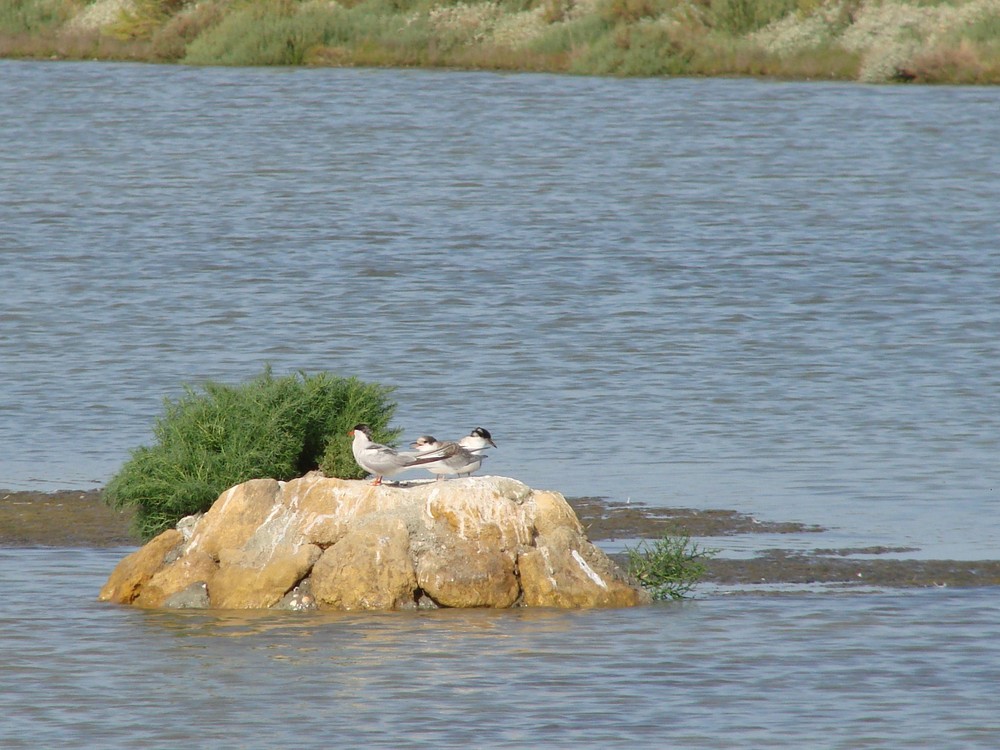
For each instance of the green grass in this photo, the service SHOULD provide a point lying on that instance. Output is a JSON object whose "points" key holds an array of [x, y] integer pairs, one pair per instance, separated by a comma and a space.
{"points": [[669, 567], [211, 439]]}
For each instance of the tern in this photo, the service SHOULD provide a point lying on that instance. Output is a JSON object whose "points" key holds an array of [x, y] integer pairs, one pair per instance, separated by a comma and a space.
{"points": [[381, 460], [452, 457], [477, 440]]}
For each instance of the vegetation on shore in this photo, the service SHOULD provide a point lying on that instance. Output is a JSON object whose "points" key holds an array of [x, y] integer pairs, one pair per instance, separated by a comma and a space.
{"points": [[210, 440], [668, 567], [942, 41]]}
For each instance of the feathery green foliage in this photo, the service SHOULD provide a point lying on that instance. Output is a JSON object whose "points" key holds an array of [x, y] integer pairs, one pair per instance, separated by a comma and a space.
{"points": [[278, 427], [669, 567]]}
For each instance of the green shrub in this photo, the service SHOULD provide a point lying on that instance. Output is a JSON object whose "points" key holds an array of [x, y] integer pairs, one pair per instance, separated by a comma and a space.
{"points": [[739, 17], [144, 18], [652, 51], [33, 16], [569, 37], [269, 33], [985, 30], [630, 11], [640, 49], [211, 440], [169, 42], [670, 567], [606, 37]]}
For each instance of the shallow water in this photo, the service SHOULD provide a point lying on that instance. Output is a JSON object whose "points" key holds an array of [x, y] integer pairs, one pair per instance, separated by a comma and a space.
{"points": [[916, 670]]}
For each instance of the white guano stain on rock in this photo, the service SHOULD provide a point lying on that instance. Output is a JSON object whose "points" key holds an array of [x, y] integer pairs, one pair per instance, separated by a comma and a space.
{"points": [[227, 498], [588, 570]]}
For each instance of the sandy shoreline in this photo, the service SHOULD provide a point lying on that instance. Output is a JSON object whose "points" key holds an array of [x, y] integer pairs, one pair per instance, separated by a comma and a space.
{"points": [[80, 518]]}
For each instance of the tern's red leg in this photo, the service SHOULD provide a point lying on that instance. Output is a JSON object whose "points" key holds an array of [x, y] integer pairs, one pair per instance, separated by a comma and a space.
{"points": [[378, 481]]}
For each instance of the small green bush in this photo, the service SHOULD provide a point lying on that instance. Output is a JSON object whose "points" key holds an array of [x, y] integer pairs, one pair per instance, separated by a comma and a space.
{"points": [[668, 568], [278, 427]]}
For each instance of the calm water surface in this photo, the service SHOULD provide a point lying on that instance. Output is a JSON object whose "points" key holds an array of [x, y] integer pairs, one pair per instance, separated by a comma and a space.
{"points": [[783, 298], [900, 670], [779, 298]]}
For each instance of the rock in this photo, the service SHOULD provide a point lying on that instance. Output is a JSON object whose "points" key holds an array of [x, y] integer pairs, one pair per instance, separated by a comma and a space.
{"points": [[194, 596], [241, 586], [177, 574], [316, 542], [565, 570], [299, 598], [186, 525], [461, 573], [132, 573], [369, 568], [236, 516]]}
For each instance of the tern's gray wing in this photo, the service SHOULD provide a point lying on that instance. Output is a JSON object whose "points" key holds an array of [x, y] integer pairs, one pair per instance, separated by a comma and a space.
{"points": [[443, 450], [463, 461]]}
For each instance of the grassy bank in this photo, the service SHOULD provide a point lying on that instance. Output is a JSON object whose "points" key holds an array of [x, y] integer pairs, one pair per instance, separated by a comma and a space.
{"points": [[865, 40]]}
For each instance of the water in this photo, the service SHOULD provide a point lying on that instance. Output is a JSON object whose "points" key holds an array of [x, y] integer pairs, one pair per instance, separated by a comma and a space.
{"points": [[914, 670], [780, 298]]}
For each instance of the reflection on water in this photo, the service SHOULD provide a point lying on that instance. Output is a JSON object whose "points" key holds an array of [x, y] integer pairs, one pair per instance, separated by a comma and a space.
{"points": [[901, 670], [377, 626]]}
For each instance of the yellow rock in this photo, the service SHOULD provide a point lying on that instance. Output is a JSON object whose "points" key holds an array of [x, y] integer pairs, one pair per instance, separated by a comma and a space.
{"points": [[480, 506], [237, 586], [235, 516], [175, 577], [565, 570], [456, 572], [553, 512], [132, 573], [473, 542], [369, 568], [325, 509]]}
